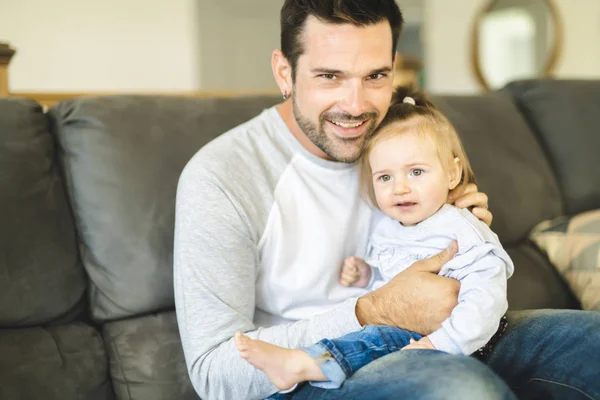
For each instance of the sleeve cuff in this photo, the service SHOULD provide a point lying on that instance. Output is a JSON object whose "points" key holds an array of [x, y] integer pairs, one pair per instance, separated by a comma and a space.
{"points": [[348, 320], [443, 342], [288, 390], [375, 276]]}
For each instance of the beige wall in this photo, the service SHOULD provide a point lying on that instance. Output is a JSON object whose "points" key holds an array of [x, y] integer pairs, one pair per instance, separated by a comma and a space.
{"points": [[182, 45], [581, 53], [237, 39], [448, 28], [140, 45], [84, 45], [446, 36]]}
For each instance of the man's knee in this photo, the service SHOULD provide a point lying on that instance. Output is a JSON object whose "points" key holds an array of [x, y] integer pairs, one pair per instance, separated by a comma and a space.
{"points": [[428, 374], [547, 320], [541, 328], [470, 379]]}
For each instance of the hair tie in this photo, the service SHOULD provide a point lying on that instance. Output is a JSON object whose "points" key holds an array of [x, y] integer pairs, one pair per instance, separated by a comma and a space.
{"points": [[409, 100]]}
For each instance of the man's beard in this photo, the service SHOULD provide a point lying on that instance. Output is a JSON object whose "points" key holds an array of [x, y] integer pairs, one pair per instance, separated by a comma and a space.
{"points": [[331, 147]]}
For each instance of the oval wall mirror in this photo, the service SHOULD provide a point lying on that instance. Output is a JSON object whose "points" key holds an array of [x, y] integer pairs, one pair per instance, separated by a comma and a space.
{"points": [[515, 39]]}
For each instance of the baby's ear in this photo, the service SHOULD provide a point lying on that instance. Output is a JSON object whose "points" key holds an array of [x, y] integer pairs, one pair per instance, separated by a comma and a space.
{"points": [[455, 173]]}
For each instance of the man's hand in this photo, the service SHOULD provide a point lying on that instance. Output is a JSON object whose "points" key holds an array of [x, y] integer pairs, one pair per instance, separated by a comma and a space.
{"points": [[355, 272], [417, 299], [423, 344], [471, 197]]}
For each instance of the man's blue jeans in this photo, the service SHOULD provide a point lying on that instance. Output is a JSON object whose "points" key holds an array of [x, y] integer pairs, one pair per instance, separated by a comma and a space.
{"points": [[546, 354]]}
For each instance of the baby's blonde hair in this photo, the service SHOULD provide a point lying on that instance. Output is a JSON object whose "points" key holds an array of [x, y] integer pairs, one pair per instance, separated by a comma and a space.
{"points": [[423, 118]]}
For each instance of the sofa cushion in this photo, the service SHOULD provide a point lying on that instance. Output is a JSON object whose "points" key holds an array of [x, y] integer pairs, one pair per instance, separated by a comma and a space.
{"points": [[573, 246], [146, 359], [565, 116], [122, 157], [41, 277], [509, 164], [535, 282], [65, 362]]}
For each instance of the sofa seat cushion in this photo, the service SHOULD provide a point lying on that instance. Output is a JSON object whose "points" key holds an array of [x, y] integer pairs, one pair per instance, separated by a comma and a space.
{"points": [[66, 362], [573, 246], [146, 359], [41, 276], [535, 283]]}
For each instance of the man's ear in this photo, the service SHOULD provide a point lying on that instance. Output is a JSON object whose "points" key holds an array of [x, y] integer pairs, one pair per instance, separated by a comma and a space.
{"points": [[282, 71], [455, 173]]}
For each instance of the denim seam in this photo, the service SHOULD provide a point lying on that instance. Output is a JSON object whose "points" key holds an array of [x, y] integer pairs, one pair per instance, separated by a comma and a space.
{"points": [[563, 384], [392, 349], [339, 358]]}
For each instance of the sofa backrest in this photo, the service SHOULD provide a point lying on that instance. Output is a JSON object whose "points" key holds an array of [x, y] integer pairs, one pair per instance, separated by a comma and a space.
{"points": [[122, 157], [565, 117], [41, 279], [509, 163]]}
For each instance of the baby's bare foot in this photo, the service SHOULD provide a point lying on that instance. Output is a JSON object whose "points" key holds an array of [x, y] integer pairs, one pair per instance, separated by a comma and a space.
{"points": [[284, 367]]}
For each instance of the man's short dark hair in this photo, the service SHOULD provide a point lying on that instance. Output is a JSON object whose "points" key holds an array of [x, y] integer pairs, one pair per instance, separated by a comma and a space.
{"points": [[357, 12]]}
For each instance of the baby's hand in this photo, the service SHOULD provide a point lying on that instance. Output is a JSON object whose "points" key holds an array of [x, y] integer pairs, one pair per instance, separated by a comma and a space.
{"points": [[355, 272], [424, 344]]}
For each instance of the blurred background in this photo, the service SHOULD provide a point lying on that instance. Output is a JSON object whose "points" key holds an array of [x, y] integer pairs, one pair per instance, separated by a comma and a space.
{"points": [[457, 46]]}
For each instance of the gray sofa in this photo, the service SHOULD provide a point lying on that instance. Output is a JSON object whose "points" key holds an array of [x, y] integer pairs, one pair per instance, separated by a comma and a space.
{"points": [[87, 207]]}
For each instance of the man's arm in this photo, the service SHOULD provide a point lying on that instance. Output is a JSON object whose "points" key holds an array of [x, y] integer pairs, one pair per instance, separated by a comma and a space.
{"points": [[417, 299], [215, 271]]}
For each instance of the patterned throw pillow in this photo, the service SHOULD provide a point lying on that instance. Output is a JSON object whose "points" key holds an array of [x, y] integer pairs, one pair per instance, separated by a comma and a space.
{"points": [[573, 246]]}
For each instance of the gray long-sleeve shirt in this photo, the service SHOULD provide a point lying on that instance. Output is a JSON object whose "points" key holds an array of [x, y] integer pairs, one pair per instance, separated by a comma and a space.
{"points": [[262, 229]]}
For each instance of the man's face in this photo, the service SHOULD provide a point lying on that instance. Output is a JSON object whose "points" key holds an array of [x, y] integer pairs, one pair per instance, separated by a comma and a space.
{"points": [[343, 85]]}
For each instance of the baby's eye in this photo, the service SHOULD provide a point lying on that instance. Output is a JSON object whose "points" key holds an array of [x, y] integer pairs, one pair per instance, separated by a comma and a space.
{"points": [[385, 178], [417, 172]]}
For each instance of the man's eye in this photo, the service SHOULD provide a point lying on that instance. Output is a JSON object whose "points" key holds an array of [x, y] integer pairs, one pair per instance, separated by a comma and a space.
{"points": [[376, 76], [417, 172], [328, 76], [385, 178]]}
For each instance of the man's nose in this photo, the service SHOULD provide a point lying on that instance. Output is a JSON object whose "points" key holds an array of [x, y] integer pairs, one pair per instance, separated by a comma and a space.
{"points": [[354, 99]]}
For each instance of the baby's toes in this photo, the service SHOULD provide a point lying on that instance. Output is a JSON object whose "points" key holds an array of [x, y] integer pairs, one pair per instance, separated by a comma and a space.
{"points": [[241, 341]]}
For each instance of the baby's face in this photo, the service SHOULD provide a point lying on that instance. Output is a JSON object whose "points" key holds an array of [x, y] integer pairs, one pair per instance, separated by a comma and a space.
{"points": [[409, 181]]}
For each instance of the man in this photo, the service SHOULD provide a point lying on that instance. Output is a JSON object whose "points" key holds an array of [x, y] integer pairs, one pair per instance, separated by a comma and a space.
{"points": [[267, 212]]}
